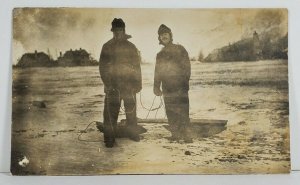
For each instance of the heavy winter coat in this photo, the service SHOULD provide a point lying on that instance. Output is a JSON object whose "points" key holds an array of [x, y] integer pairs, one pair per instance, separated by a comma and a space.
{"points": [[172, 69], [120, 66]]}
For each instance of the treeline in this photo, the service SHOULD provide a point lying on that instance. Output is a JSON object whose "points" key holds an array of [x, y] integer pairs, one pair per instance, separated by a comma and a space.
{"points": [[251, 49], [70, 58]]}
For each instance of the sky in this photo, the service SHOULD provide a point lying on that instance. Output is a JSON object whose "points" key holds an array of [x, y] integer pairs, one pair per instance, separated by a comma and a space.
{"points": [[60, 29]]}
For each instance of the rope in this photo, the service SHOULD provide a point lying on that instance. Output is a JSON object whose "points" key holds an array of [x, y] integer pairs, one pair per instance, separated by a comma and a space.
{"points": [[84, 131], [123, 109], [150, 107], [160, 105], [163, 104]]}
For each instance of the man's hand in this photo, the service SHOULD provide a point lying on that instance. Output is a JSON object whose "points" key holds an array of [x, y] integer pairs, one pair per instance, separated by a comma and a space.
{"points": [[137, 90], [108, 89], [157, 91]]}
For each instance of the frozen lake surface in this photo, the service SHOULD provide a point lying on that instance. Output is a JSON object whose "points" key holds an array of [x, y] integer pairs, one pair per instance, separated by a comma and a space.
{"points": [[252, 96]]}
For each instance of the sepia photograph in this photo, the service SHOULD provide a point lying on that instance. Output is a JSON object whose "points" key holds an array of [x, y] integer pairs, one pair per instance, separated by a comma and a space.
{"points": [[99, 91]]}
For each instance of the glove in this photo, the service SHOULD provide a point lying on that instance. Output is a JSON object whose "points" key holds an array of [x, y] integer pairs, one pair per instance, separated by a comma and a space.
{"points": [[157, 91]]}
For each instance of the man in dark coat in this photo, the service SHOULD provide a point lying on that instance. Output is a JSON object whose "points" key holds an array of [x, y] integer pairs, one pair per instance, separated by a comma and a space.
{"points": [[172, 73], [120, 72]]}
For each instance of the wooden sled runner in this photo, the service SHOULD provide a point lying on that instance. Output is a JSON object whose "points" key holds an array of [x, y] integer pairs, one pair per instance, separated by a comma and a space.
{"points": [[198, 128]]}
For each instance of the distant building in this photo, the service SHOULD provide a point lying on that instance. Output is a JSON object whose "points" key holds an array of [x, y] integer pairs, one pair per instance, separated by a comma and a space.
{"points": [[257, 51], [36, 59], [75, 58], [69, 59]]}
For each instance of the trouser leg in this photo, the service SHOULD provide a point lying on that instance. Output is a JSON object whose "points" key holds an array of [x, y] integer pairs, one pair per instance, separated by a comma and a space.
{"points": [[183, 107], [183, 104], [110, 114], [177, 109], [130, 108], [170, 107]]}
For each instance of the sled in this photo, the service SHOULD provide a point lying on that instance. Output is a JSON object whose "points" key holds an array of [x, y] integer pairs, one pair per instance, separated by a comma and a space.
{"points": [[122, 129], [198, 128]]}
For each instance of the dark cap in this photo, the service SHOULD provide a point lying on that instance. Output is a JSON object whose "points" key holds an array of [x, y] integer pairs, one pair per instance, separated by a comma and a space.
{"points": [[163, 29], [117, 23]]}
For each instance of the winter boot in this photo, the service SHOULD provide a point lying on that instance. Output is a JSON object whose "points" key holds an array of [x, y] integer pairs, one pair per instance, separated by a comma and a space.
{"points": [[185, 135], [109, 142], [175, 135], [133, 134]]}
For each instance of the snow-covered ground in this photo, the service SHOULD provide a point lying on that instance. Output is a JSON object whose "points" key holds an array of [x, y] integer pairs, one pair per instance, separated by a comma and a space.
{"points": [[252, 96]]}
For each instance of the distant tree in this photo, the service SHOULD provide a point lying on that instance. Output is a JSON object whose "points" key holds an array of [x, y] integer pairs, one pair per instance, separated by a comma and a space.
{"points": [[49, 54], [193, 59], [200, 56]]}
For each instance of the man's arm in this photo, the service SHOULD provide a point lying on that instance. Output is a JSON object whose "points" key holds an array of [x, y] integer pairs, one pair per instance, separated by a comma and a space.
{"points": [[186, 63], [157, 77], [104, 66], [137, 69]]}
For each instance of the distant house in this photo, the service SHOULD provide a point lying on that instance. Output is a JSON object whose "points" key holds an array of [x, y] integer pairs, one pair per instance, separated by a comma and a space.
{"points": [[75, 58], [69, 59], [36, 59]]}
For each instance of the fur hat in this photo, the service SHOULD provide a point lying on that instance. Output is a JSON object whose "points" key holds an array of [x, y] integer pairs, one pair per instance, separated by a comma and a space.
{"points": [[163, 29]]}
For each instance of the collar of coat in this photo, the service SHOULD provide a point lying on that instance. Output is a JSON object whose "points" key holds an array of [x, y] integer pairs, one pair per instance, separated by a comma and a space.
{"points": [[126, 37]]}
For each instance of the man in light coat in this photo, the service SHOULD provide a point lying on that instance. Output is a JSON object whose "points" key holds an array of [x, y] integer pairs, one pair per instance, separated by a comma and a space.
{"points": [[172, 75]]}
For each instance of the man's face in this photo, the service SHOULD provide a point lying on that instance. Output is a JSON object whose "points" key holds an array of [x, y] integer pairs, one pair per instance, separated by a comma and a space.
{"points": [[165, 38], [119, 33]]}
